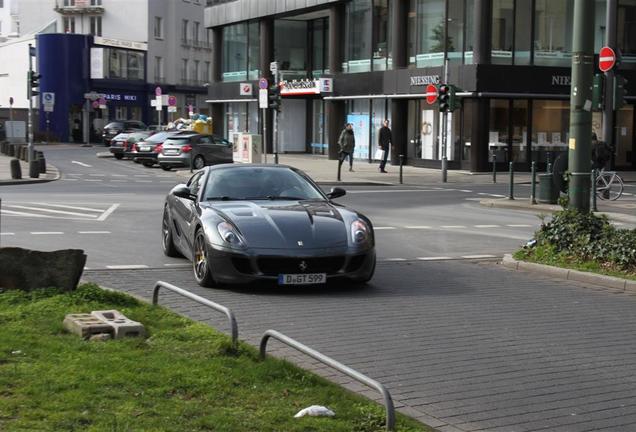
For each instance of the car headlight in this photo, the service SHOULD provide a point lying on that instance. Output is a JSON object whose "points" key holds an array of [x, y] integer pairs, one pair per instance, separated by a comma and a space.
{"points": [[230, 234], [360, 232]]}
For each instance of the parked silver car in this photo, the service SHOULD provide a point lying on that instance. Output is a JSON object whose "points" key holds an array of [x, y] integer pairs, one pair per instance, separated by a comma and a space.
{"points": [[194, 150]]}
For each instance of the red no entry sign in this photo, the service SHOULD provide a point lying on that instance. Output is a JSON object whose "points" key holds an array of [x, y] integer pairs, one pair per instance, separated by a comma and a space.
{"points": [[606, 59], [431, 94]]}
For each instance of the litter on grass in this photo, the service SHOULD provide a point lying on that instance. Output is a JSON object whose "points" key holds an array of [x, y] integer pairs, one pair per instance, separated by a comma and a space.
{"points": [[315, 411]]}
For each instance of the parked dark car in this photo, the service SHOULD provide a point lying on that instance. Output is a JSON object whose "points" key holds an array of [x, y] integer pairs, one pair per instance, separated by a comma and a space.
{"points": [[121, 144], [248, 223], [185, 148], [146, 151], [113, 129]]}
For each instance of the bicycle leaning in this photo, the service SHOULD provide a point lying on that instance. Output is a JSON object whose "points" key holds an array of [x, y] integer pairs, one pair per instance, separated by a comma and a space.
{"points": [[609, 185]]}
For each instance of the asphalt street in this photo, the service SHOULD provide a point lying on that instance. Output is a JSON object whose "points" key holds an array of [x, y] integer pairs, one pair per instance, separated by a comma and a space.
{"points": [[462, 343]]}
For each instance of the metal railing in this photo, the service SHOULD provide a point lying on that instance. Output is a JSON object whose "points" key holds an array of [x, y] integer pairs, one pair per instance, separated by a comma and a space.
{"points": [[388, 401], [201, 300]]}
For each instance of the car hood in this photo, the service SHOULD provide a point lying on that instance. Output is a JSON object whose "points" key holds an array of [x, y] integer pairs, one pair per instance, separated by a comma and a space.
{"points": [[285, 224]]}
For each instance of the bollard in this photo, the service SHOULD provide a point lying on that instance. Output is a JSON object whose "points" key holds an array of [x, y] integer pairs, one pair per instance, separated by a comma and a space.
{"points": [[533, 189], [34, 169], [494, 168], [42, 161], [401, 165], [593, 190], [511, 192], [16, 170], [339, 169]]}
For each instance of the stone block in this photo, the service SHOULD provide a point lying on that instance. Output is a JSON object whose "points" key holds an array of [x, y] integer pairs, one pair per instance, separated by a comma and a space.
{"points": [[86, 325], [121, 325], [27, 270]]}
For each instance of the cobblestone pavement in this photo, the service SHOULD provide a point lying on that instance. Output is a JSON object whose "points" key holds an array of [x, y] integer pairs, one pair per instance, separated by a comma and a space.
{"points": [[462, 346]]}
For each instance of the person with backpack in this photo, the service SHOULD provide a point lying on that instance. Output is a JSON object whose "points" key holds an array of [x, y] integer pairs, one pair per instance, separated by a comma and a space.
{"points": [[346, 144]]}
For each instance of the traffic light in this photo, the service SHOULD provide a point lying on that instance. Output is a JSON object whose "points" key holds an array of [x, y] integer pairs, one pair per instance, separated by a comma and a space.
{"points": [[33, 85], [443, 95], [619, 91], [598, 84], [274, 97]]}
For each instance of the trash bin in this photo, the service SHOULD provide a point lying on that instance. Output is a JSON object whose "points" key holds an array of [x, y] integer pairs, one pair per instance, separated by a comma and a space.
{"points": [[548, 193]]}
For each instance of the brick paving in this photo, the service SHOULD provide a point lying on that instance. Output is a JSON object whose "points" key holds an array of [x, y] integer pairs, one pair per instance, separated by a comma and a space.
{"points": [[461, 346]]}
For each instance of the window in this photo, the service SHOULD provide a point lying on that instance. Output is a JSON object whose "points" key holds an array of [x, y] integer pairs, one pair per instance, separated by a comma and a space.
{"points": [[69, 2], [208, 38], [502, 31], [426, 33], [455, 29], [158, 69], [96, 25], [207, 73], [358, 36], [553, 32], [320, 47], [96, 2], [184, 30], [196, 72], [381, 34], [523, 42], [241, 51], [158, 28], [195, 32], [626, 30], [69, 24], [184, 69], [1, 4]]}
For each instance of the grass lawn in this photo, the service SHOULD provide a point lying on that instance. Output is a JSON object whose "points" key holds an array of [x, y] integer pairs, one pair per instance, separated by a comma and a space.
{"points": [[183, 377]]}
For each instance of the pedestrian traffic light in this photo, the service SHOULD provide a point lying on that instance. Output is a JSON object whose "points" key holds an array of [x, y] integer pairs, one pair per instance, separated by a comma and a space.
{"points": [[33, 84], [597, 92], [274, 97], [443, 95], [619, 91]]}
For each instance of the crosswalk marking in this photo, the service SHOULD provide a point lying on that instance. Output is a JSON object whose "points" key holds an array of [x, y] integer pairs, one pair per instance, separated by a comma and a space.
{"points": [[127, 267], [94, 232], [7, 234], [487, 226], [46, 210], [47, 232], [433, 258], [58, 211], [418, 227], [384, 228], [477, 256], [452, 226]]}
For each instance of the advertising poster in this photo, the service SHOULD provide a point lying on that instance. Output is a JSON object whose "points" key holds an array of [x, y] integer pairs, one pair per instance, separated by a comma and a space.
{"points": [[360, 124]]}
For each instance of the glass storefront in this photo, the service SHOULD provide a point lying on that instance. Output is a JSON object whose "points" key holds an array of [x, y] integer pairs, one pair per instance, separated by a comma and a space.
{"points": [[290, 48], [367, 36], [626, 29], [553, 32], [241, 51], [235, 119], [550, 129], [319, 132], [320, 47]]}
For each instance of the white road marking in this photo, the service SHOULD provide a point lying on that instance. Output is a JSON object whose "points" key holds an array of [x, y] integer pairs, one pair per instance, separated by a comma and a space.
{"points": [[73, 179], [69, 207], [164, 181], [519, 226], [452, 226], [384, 228], [487, 226], [45, 210], [127, 267], [142, 175], [7, 234], [82, 164], [177, 265], [418, 227], [434, 258], [394, 259], [465, 190], [119, 175], [97, 175], [93, 180], [478, 256], [94, 232], [118, 181], [17, 213], [46, 232], [397, 191], [108, 212], [143, 181]]}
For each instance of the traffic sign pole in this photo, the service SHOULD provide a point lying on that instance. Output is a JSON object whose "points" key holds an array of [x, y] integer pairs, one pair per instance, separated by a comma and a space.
{"points": [[608, 109]]}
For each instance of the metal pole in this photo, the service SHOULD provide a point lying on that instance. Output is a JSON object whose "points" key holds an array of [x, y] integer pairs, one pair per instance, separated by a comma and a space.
{"points": [[548, 168], [275, 137], [445, 132], [401, 166], [30, 113], [494, 168], [533, 193], [608, 109], [593, 190], [264, 110], [87, 116], [511, 187], [580, 109]]}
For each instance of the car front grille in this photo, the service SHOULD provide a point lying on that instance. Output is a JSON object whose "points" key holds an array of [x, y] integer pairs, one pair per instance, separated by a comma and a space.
{"points": [[355, 262], [273, 266]]}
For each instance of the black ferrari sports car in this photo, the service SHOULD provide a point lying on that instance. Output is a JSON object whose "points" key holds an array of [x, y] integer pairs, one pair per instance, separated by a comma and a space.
{"points": [[247, 223]]}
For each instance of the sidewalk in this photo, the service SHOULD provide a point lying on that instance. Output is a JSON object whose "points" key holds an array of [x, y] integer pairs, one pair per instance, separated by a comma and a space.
{"points": [[51, 174]]}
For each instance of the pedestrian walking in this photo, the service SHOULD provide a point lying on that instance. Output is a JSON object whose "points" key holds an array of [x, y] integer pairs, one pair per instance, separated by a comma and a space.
{"points": [[346, 143], [385, 139]]}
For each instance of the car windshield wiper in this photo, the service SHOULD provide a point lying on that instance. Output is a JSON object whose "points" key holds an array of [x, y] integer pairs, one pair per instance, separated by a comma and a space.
{"points": [[278, 197], [223, 198]]}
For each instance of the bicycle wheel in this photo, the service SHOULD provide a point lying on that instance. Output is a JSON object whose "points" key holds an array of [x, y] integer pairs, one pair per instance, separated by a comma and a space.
{"points": [[616, 187], [609, 186]]}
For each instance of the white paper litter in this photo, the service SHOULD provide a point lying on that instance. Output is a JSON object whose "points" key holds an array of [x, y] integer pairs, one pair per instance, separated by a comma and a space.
{"points": [[315, 411]]}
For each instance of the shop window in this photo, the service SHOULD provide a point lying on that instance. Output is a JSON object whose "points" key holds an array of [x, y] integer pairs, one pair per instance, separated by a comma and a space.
{"points": [[319, 128], [254, 50], [235, 119], [358, 116], [502, 31], [553, 32], [626, 30], [379, 113], [467, 130], [358, 34], [550, 126], [519, 132], [290, 48]]}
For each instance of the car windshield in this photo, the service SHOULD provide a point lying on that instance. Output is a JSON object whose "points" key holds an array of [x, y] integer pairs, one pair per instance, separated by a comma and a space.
{"points": [[121, 136], [114, 125], [259, 183]]}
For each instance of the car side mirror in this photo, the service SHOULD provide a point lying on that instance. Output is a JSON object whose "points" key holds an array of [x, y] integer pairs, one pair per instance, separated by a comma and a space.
{"points": [[336, 193], [182, 191]]}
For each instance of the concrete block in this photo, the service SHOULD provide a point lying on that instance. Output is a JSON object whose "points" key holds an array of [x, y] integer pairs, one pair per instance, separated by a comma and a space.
{"points": [[630, 286], [121, 325], [510, 262], [545, 269], [86, 325]]}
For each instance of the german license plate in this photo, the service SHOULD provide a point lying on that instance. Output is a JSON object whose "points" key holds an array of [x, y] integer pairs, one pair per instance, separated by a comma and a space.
{"points": [[144, 148], [171, 151], [302, 279]]}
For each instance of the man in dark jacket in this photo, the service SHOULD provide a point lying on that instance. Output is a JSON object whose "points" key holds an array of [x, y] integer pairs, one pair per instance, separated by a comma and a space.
{"points": [[346, 143], [385, 139]]}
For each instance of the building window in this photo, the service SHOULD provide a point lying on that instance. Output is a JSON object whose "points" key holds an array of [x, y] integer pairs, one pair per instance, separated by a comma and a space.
{"points": [[69, 2], [184, 70], [358, 36], [626, 30], [290, 48], [197, 70], [320, 47], [69, 24], [1, 4], [159, 69], [207, 72], [124, 64], [241, 51], [195, 32], [550, 129], [502, 31], [96, 25], [158, 28], [381, 34], [96, 2], [208, 38], [553, 32], [184, 30], [455, 30]]}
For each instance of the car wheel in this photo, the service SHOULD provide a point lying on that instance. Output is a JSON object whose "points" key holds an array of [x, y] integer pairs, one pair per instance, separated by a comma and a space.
{"points": [[200, 264], [199, 162], [119, 156], [136, 161], [165, 168], [167, 242], [148, 164]]}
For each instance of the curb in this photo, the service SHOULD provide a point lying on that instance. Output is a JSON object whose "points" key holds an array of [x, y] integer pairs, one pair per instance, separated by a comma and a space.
{"points": [[49, 167], [612, 282], [104, 154]]}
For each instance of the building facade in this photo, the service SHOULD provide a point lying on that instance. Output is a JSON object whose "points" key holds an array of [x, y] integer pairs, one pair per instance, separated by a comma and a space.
{"points": [[510, 60]]}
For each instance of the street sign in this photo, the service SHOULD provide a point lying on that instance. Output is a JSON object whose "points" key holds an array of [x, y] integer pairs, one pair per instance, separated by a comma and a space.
{"points": [[157, 91], [431, 94], [48, 98], [262, 83], [172, 109], [606, 59], [262, 98], [246, 89], [172, 101], [48, 108], [273, 67], [92, 95]]}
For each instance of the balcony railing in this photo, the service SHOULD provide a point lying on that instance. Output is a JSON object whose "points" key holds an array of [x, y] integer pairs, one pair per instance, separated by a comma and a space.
{"points": [[78, 7]]}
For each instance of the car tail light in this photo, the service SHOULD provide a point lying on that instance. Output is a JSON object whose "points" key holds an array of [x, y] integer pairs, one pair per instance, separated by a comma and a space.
{"points": [[186, 148], [159, 148], [125, 144]]}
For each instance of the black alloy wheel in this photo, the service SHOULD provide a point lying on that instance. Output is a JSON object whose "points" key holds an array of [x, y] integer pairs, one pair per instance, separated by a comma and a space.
{"points": [[200, 264], [167, 242], [199, 162], [165, 167]]}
